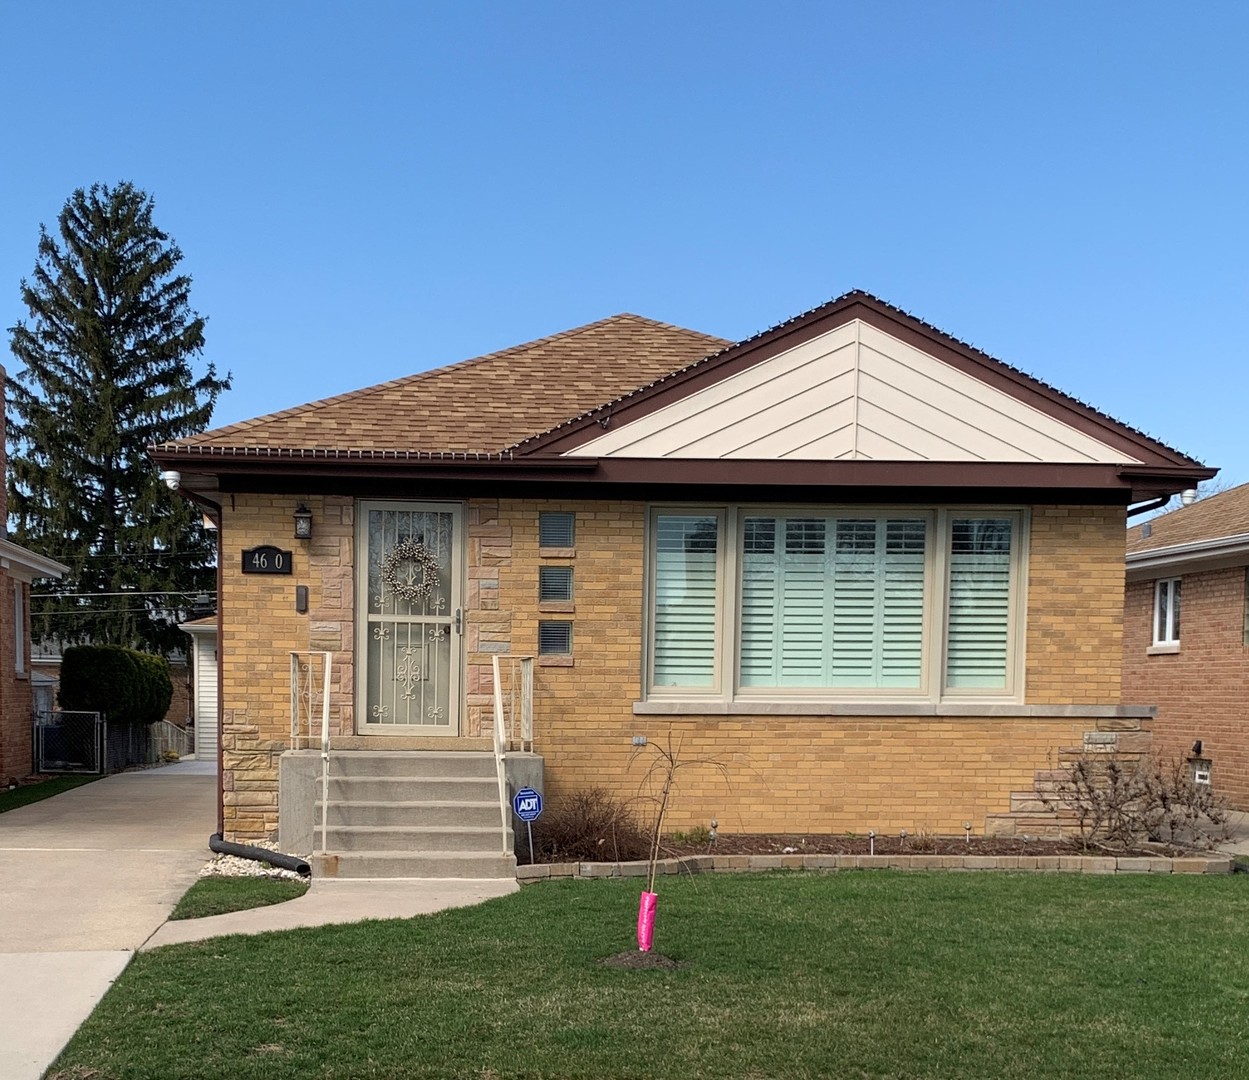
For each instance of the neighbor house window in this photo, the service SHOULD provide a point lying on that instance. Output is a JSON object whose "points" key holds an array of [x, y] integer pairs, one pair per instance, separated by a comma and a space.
{"points": [[19, 626], [1167, 611], [908, 603]]}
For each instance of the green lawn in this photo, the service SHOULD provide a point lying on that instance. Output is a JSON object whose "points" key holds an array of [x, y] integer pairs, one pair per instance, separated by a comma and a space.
{"points": [[45, 789], [219, 895], [854, 974]]}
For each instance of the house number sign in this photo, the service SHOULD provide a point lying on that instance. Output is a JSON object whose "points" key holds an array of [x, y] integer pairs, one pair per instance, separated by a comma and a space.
{"points": [[266, 560]]}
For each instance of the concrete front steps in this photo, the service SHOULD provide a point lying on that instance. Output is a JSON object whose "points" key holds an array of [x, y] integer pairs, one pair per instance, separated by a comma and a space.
{"points": [[413, 814]]}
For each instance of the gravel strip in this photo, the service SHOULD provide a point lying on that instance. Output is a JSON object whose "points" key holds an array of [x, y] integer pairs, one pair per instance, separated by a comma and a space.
{"points": [[234, 866]]}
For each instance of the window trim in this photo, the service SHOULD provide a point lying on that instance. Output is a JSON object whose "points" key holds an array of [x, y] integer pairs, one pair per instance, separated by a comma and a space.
{"points": [[1171, 641], [726, 676]]}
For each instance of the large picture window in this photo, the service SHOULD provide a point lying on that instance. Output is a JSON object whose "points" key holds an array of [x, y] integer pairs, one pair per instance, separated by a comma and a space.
{"points": [[907, 604]]}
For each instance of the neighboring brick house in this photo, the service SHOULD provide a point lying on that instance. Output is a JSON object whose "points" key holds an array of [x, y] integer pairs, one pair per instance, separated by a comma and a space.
{"points": [[18, 567], [875, 572], [1186, 634]]}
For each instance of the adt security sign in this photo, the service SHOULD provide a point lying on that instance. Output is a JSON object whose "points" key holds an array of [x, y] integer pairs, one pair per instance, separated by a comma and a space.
{"points": [[527, 803]]}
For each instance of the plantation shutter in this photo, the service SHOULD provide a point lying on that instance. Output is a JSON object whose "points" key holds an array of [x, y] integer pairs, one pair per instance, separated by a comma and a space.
{"points": [[686, 549], [855, 603], [978, 616], [760, 615], [832, 603], [804, 604], [902, 604]]}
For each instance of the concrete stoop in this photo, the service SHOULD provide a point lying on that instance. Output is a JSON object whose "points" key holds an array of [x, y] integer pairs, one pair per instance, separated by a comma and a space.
{"points": [[1038, 812], [413, 814]]}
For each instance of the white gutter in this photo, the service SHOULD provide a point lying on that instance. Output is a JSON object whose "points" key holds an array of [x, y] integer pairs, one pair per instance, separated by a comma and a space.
{"points": [[1195, 551], [26, 564]]}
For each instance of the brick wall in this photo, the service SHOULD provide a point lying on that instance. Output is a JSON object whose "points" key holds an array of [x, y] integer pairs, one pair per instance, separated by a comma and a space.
{"points": [[16, 704], [1075, 604], [1202, 691], [805, 773], [782, 772]]}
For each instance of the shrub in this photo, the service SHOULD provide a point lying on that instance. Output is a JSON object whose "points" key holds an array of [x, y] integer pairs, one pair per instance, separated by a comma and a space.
{"points": [[122, 684], [1118, 802], [587, 824]]}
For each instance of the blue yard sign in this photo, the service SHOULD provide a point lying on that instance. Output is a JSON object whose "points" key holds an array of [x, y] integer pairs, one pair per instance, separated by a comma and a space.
{"points": [[527, 803]]}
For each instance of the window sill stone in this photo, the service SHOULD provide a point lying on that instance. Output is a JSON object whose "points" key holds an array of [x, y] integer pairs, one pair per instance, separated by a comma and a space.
{"points": [[890, 709], [1163, 650]]}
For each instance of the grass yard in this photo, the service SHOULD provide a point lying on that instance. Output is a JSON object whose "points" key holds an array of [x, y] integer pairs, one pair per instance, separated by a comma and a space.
{"points": [[853, 974], [26, 794], [220, 895]]}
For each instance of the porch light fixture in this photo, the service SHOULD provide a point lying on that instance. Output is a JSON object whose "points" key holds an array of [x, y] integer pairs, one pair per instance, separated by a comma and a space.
{"points": [[303, 523]]}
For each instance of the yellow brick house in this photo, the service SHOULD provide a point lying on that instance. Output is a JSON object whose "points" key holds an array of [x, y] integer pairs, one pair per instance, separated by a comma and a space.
{"points": [[875, 572]]}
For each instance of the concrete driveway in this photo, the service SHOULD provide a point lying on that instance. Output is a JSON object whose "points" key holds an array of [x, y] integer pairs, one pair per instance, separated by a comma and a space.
{"points": [[86, 877]]}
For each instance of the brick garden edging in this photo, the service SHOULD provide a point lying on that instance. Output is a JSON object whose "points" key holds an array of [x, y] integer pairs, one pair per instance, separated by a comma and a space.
{"points": [[701, 864]]}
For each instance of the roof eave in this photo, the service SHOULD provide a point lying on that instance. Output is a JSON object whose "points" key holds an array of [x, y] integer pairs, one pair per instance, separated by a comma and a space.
{"points": [[26, 564], [1195, 555]]}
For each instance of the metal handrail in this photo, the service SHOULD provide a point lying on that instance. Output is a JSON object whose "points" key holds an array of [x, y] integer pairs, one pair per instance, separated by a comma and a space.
{"points": [[500, 769], [301, 690], [505, 721]]}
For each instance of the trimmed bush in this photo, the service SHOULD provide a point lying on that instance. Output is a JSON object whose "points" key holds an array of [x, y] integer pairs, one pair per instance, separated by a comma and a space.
{"points": [[122, 684], [587, 824]]}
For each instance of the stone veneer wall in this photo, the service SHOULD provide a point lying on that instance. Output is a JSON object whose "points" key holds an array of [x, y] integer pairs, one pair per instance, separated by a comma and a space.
{"points": [[261, 630]]}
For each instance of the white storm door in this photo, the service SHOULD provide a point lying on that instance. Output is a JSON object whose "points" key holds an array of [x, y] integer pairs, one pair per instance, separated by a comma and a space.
{"points": [[409, 627]]}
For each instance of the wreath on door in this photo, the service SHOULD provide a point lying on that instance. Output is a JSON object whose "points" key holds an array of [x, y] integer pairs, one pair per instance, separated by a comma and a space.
{"points": [[421, 580]]}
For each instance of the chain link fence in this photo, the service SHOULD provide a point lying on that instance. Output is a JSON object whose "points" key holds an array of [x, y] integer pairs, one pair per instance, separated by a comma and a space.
{"points": [[69, 742], [84, 742]]}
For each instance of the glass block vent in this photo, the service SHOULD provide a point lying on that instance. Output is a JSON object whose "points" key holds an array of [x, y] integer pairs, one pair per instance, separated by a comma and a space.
{"points": [[554, 638], [557, 529], [555, 583]]}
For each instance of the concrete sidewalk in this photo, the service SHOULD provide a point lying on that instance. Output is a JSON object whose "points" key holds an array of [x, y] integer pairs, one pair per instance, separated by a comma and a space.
{"points": [[85, 879], [348, 900], [1237, 842]]}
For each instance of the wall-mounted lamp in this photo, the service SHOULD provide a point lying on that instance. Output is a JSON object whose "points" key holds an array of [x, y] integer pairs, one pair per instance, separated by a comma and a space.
{"points": [[303, 523]]}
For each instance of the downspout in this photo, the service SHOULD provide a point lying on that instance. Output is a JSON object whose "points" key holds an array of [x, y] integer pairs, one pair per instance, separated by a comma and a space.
{"points": [[1145, 508], [213, 510]]}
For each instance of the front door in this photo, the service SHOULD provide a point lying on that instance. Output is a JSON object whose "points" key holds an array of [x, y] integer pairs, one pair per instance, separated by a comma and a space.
{"points": [[409, 633]]}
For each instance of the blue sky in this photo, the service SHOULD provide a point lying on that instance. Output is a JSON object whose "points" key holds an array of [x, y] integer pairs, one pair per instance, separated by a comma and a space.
{"points": [[363, 191]]}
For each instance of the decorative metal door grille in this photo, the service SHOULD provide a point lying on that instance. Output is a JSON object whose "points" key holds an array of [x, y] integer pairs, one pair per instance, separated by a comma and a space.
{"points": [[411, 609]]}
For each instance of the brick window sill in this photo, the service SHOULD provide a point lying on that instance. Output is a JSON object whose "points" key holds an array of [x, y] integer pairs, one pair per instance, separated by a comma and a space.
{"points": [[555, 661]]}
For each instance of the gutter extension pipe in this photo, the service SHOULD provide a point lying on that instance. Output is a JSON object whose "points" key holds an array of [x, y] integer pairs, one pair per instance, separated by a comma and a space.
{"points": [[246, 851]]}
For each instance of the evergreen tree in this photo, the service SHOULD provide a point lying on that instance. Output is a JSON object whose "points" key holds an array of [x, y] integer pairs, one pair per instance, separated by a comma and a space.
{"points": [[106, 372]]}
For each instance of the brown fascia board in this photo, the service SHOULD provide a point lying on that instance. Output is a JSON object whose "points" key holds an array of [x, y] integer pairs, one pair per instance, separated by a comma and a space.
{"points": [[647, 478], [888, 319]]}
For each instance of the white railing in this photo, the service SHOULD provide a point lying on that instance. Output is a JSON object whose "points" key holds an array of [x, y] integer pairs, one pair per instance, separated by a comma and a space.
{"points": [[166, 737], [514, 699], [520, 672], [303, 710]]}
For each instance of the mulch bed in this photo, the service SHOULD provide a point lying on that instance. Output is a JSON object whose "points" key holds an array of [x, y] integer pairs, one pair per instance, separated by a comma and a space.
{"points": [[833, 844]]}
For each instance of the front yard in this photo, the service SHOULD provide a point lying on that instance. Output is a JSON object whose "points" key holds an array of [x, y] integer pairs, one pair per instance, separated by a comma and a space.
{"points": [[853, 974]]}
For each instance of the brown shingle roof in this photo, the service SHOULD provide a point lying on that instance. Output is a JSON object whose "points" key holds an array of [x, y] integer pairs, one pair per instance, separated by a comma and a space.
{"points": [[481, 405], [1224, 514]]}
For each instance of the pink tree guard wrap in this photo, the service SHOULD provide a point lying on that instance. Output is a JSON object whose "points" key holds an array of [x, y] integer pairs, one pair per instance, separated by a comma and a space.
{"points": [[646, 920]]}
